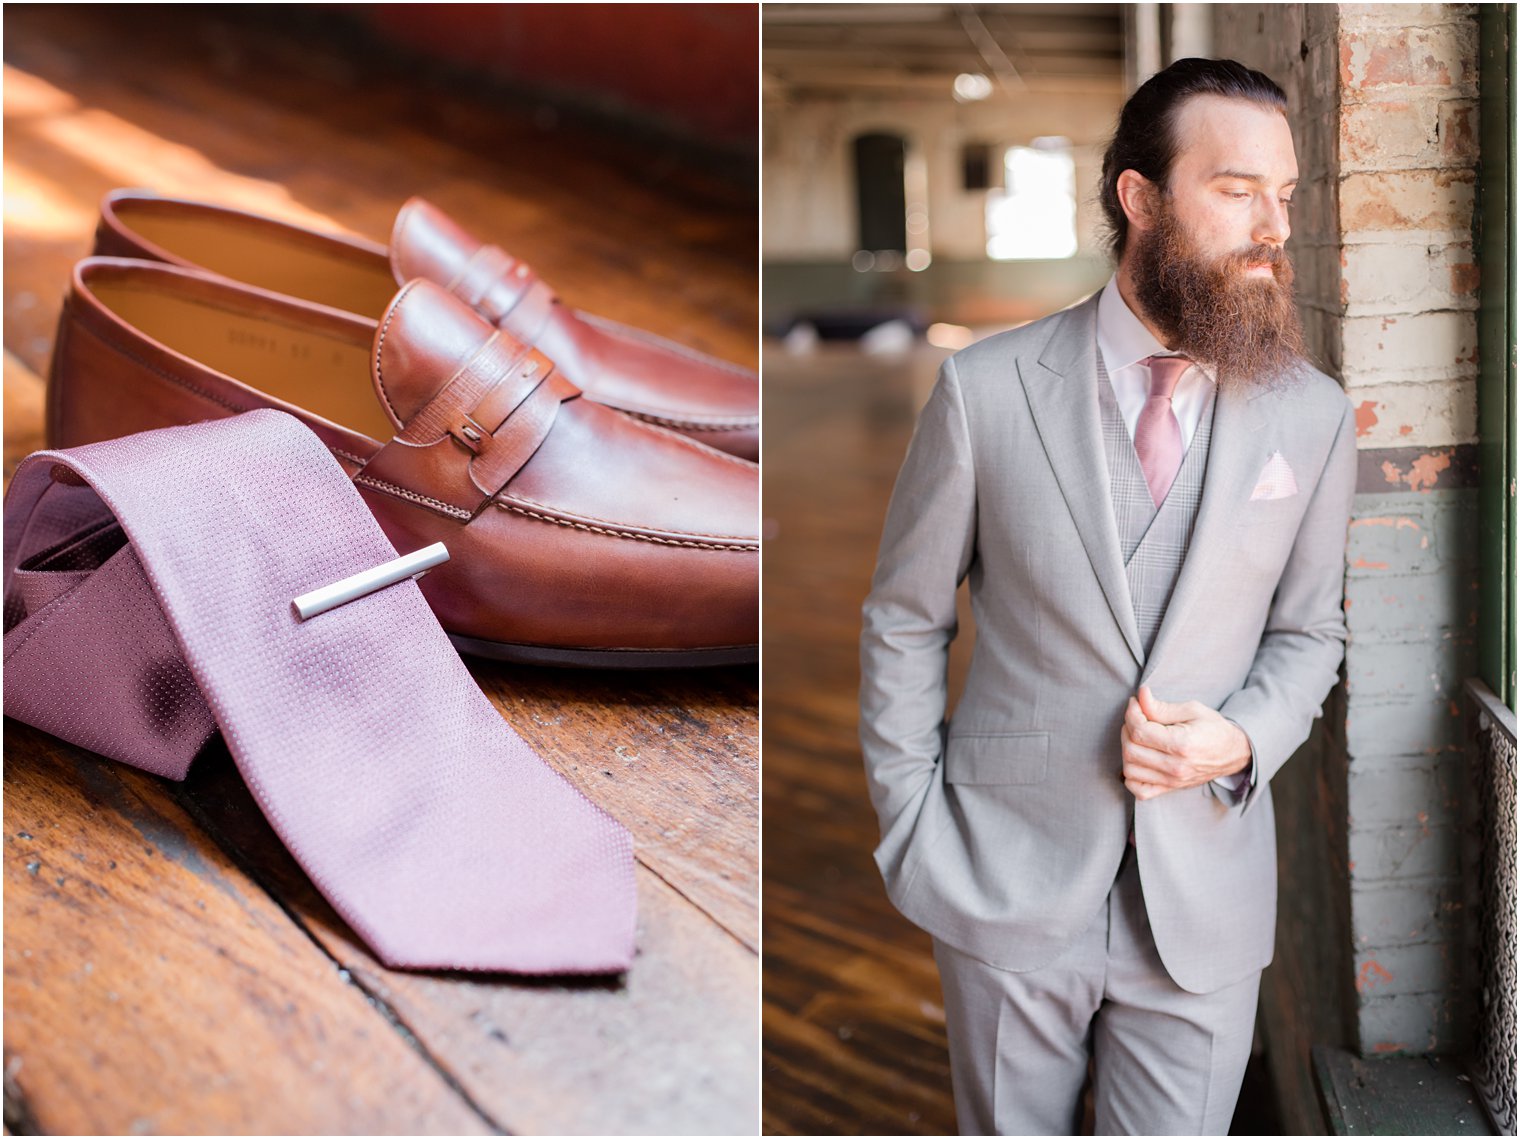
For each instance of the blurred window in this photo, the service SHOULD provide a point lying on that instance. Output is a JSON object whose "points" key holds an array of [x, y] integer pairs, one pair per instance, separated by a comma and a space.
{"points": [[880, 195], [1034, 215]]}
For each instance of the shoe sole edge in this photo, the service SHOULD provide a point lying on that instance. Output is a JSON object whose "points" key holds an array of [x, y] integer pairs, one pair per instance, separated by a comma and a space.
{"points": [[628, 659]]}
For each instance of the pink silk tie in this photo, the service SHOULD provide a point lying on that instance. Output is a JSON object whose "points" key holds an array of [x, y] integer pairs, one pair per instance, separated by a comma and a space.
{"points": [[149, 583], [1158, 436]]}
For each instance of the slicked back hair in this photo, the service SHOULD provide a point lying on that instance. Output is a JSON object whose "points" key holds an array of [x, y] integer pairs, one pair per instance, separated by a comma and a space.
{"points": [[1146, 138]]}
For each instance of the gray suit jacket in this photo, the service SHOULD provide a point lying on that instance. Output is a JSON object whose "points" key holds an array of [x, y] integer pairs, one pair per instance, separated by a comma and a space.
{"points": [[1003, 830]]}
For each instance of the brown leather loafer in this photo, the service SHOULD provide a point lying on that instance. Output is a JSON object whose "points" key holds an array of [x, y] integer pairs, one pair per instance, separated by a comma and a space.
{"points": [[578, 535], [636, 372]]}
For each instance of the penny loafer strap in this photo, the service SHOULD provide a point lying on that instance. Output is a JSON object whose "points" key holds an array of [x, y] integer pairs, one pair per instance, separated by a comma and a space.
{"points": [[506, 291], [494, 282], [482, 427]]}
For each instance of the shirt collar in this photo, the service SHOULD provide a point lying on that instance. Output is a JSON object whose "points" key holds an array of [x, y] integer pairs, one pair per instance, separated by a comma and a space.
{"points": [[1122, 339]]}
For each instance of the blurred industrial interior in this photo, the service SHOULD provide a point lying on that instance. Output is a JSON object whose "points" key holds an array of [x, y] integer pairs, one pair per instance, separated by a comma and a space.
{"points": [[929, 175]]}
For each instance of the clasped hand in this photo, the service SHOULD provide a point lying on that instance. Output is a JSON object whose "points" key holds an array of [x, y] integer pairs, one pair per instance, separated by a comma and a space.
{"points": [[1167, 747]]}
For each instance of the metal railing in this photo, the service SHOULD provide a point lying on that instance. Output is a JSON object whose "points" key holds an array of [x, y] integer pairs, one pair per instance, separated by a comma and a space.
{"points": [[1494, 1064]]}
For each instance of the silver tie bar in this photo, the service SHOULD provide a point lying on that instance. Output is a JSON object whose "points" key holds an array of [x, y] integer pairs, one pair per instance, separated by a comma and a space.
{"points": [[412, 565]]}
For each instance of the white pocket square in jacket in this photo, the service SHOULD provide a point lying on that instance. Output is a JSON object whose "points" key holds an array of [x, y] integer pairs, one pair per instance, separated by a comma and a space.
{"points": [[1275, 481]]}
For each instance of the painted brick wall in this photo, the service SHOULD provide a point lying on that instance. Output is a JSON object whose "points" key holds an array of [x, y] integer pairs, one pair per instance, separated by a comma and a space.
{"points": [[1407, 76], [1408, 145], [1383, 102]]}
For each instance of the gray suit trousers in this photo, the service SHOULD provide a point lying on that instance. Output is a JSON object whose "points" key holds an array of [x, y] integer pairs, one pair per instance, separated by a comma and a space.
{"points": [[1168, 1062]]}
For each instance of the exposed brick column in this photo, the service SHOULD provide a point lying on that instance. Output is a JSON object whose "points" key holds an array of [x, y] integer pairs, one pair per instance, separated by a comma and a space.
{"points": [[1408, 147]]}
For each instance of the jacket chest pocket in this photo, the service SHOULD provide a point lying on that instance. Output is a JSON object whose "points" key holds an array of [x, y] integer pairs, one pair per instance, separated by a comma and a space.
{"points": [[1265, 533], [1017, 757]]}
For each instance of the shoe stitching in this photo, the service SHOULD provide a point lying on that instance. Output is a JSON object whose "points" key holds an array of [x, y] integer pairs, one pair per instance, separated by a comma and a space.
{"points": [[696, 444], [380, 347], [422, 499], [464, 515], [690, 424], [623, 533], [661, 342], [621, 526], [352, 458]]}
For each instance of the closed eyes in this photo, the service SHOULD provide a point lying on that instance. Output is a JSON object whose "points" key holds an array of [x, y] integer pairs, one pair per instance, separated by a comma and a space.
{"points": [[1242, 195]]}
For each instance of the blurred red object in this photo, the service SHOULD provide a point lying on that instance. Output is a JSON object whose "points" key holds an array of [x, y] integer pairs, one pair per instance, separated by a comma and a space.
{"points": [[693, 68]]}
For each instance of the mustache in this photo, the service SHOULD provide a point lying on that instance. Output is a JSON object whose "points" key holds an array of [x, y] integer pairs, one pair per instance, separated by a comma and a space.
{"points": [[1273, 255]]}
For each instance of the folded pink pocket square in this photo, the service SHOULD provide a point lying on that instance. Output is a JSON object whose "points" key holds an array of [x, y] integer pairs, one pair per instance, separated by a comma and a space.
{"points": [[1275, 481]]}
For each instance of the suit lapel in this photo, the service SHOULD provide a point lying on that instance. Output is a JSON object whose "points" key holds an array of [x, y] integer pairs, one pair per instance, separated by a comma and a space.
{"points": [[1234, 461], [1063, 398]]}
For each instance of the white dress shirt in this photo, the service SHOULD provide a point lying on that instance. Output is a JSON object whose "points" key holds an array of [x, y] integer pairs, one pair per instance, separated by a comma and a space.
{"points": [[1125, 342]]}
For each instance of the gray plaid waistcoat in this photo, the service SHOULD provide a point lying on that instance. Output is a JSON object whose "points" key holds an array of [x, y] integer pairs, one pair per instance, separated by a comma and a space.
{"points": [[1153, 542]]}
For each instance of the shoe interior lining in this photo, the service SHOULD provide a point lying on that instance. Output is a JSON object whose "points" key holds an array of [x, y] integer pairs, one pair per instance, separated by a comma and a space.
{"points": [[321, 371], [263, 255]]}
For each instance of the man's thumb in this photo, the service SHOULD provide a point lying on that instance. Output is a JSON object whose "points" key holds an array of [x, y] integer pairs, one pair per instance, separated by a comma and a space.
{"points": [[1159, 711]]}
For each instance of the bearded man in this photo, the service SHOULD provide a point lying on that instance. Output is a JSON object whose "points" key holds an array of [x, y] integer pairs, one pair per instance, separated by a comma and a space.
{"points": [[1149, 493]]}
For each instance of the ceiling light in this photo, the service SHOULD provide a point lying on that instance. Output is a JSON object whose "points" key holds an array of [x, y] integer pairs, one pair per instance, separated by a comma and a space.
{"points": [[971, 88]]}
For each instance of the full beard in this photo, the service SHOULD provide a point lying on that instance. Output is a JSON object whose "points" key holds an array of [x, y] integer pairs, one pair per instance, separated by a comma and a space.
{"points": [[1245, 327]]}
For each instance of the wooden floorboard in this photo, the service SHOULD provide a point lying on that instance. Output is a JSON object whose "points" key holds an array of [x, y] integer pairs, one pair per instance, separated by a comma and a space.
{"points": [[276, 114], [152, 987], [679, 755], [854, 1034]]}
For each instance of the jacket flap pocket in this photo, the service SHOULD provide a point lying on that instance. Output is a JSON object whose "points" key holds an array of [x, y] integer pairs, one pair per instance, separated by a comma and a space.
{"points": [[992, 759]]}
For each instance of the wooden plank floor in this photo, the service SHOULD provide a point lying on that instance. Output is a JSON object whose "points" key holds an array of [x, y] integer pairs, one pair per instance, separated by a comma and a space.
{"points": [[854, 1032], [168, 967]]}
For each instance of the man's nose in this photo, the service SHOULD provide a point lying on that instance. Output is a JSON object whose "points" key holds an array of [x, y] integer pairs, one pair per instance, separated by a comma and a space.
{"points": [[1272, 226]]}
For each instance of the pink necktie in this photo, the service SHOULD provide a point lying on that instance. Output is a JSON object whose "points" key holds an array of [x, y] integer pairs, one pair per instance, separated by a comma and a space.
{"points": [[149, 583], [1158, 437]]}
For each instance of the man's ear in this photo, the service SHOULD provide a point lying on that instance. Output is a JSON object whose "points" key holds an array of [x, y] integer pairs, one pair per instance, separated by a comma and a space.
{"points": [[1137, 197]]}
